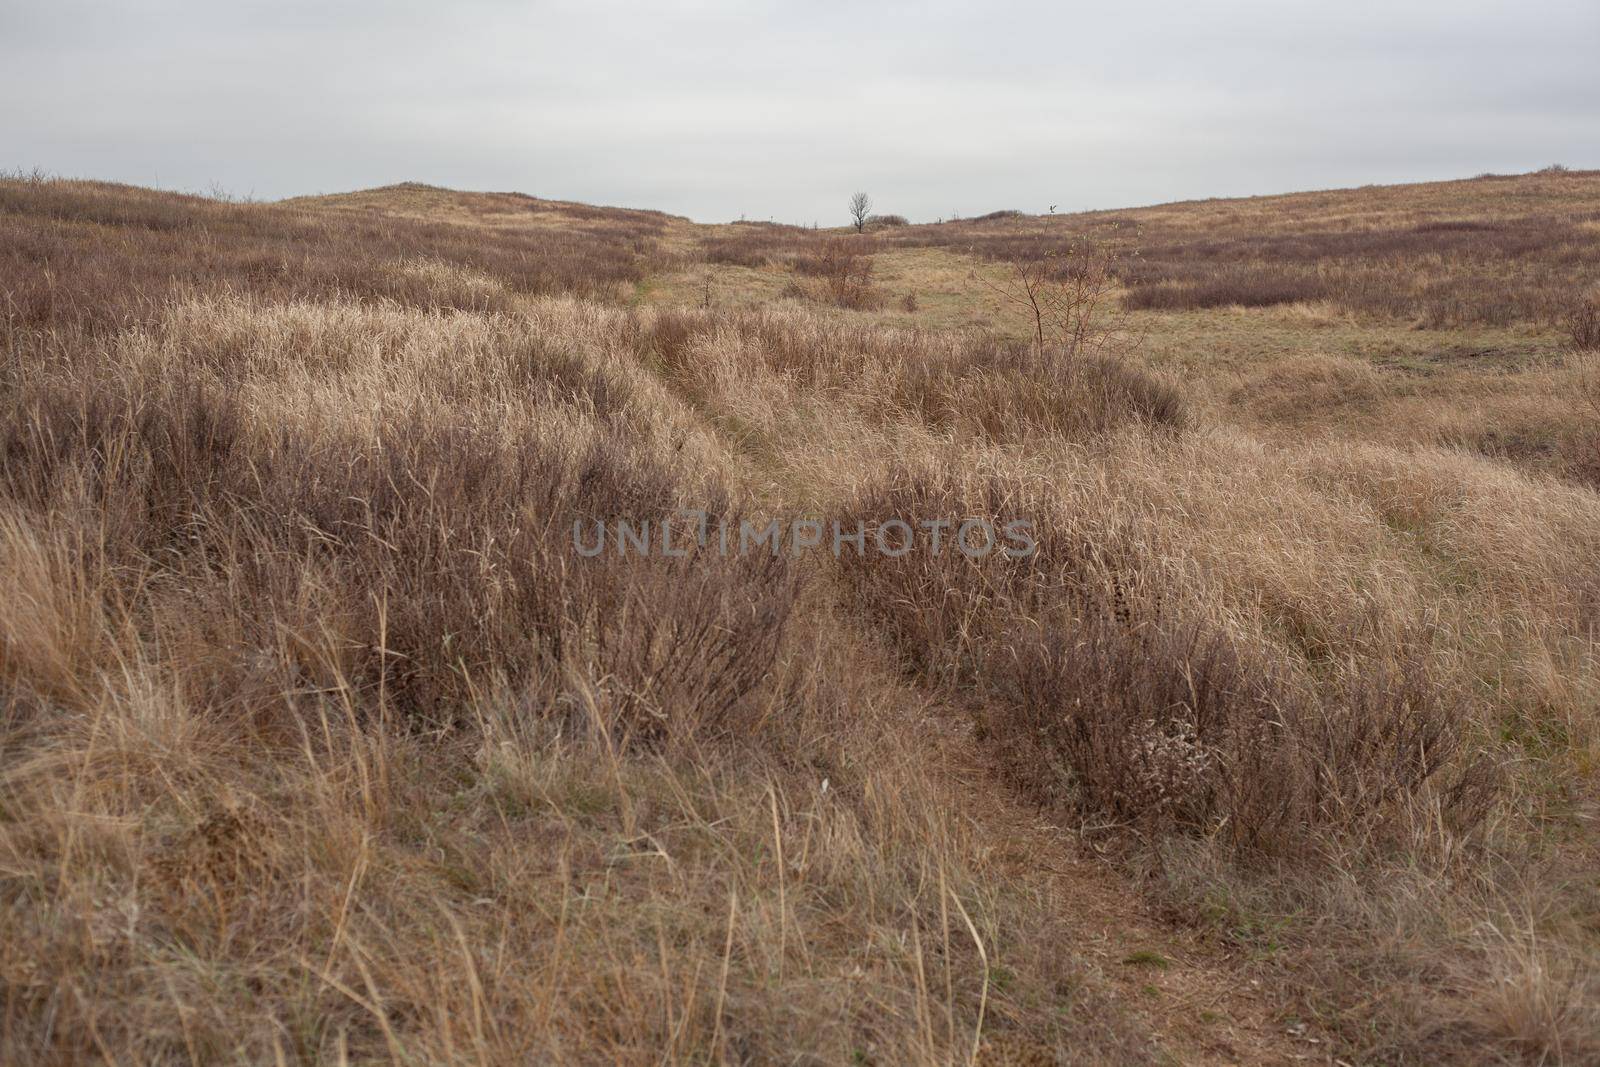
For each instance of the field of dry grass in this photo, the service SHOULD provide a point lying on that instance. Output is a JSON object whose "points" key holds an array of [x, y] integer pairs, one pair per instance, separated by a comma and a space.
{"points": [[321, 742]]}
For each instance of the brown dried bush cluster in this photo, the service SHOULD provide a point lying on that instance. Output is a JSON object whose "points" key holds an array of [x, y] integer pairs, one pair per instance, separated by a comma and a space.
{"points": [[1583, 324], [1011, 391], [441, 545], [1099, 691], [843, 267]]}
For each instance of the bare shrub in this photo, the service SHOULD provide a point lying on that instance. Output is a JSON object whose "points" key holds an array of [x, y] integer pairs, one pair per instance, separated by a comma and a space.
{"points": [[1067, 296], [1381, 740], [1147, 718], [1583, 325], [844, 267]]}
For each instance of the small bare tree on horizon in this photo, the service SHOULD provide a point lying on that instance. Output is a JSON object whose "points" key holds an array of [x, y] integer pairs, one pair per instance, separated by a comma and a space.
{"points": [[860, 211]]}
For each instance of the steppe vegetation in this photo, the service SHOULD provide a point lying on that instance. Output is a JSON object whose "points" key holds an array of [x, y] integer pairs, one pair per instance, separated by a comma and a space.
{"points": [[321, 743]]}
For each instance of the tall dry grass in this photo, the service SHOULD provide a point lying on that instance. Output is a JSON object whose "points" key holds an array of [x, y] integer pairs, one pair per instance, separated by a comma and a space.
{"points": [[321, 743]]}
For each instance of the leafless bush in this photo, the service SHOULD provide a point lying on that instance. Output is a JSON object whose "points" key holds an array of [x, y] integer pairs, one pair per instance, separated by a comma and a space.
{"points": [[1067, 295], [844, 267], [1583, 325]]}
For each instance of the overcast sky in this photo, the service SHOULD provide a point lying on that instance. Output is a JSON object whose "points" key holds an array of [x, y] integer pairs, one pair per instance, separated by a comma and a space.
{"points": [[719, 109]]}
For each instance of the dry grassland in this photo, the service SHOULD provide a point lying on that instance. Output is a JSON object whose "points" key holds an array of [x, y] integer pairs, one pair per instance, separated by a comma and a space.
{"points": [[320, 742]]}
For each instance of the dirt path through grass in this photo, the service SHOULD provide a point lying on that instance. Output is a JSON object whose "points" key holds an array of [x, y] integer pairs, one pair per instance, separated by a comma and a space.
{"points": [[1201, 1003]]}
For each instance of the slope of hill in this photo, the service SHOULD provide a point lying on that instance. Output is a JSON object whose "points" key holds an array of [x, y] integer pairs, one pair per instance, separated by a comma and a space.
{"points": [[1435, 313], [431, 203], [325, 740], [1492, 251]]}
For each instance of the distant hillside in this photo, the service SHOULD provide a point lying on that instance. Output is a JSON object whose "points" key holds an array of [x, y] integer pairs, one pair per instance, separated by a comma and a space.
{"points": [[115, 253], [1495, 251], [419, 201], [1492, 250]]}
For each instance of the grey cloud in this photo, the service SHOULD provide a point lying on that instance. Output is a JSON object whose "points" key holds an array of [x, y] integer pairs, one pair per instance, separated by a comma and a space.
{"points": [[717, 109]]}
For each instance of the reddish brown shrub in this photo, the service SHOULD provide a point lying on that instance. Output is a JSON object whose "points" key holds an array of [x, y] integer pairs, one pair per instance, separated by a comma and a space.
{"points": [[1583, 325], [439, 551], [1099, 694], [844, 266], [1009, 391], [1250, 287]]}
